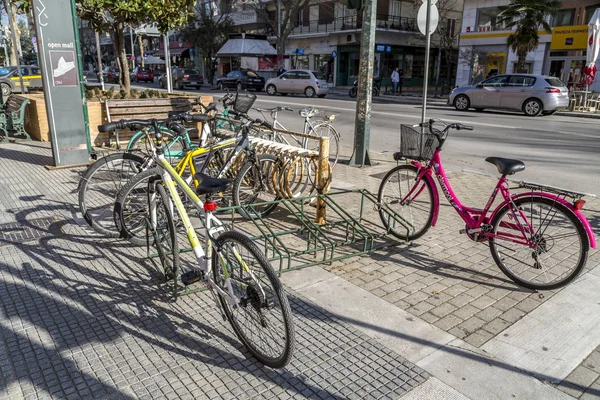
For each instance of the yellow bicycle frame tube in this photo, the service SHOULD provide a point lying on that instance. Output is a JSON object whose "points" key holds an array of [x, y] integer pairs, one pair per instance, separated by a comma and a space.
{"points": [[171, 173], [187, 160]]}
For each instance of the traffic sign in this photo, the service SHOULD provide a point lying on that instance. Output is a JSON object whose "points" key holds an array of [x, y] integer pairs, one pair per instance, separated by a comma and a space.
{"points": [[434, 17], [334, 54]]}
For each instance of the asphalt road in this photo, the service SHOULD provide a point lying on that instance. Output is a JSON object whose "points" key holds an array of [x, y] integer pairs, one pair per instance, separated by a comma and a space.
{"points": [[557, 150]]}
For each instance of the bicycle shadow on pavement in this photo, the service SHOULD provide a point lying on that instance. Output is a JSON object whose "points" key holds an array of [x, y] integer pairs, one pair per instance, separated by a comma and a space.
{"points": [[80, 291]]}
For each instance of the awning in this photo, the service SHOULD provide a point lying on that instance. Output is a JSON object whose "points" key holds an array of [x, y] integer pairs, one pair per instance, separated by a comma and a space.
{"points": [[152, 60], [246, 46], [176, 51]]}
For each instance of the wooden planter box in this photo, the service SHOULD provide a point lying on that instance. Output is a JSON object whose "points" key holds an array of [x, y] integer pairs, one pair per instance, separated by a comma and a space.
{"points": [[36, 119]]}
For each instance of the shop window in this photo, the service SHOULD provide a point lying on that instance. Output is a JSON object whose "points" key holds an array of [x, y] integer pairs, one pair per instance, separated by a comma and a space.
{"points": [[487, 20], [326, 13], [564, 17], [589, 12]]}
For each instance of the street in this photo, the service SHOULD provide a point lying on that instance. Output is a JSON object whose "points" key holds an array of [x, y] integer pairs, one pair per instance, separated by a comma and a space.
{"points": [[557, 150]]}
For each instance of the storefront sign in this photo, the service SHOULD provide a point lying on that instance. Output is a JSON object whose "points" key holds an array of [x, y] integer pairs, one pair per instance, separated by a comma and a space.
{"points": [[379, 48], [267, 63], [569, 38]]}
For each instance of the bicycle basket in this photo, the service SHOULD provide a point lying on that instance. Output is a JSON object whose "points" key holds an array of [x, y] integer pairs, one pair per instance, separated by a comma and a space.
{"points": [[416, 145], [243, 102]]}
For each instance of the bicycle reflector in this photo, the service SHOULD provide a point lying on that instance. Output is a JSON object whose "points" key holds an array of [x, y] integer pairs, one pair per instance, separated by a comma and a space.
{"points": [[210, 206], [579, 204]]}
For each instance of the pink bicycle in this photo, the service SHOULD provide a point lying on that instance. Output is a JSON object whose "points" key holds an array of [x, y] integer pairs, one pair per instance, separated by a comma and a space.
{"points": [[539, 238]]}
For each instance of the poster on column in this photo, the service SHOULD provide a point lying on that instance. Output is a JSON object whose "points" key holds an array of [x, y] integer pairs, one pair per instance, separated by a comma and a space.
{"points": [[61, 74]]}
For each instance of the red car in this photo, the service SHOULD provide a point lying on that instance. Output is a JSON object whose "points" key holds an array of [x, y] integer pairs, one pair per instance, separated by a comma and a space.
{"points": [[140, 74]]}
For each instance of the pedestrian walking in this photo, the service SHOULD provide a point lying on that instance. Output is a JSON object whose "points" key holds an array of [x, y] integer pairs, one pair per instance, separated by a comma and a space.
{"points": [[280, 71], [395, 80]]}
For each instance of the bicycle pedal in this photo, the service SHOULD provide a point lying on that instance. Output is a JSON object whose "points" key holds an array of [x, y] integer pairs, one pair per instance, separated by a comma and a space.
{"points": [[191, 277]]}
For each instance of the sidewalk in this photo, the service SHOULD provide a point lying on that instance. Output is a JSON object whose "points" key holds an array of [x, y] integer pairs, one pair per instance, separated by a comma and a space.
{"points": [[83, 316]]}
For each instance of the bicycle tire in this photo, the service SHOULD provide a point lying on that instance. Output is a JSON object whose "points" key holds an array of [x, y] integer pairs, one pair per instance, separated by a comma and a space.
{"points": [[174, 149], [165, 239], [96, 197], [334, 140], [279, 351], [547, 242], [390, 193], [255, 176], [131, 207]]}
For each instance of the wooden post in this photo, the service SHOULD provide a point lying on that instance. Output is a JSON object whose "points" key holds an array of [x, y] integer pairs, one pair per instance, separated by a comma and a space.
{"points": [[322, 178]]}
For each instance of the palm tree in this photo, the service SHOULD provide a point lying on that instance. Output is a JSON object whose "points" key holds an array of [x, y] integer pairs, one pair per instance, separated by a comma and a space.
{"points": [[528, 16]]}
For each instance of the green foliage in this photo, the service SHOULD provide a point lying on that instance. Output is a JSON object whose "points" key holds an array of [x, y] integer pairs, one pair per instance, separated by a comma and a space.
{"points": [[164, 95], [110, 92], [89, 94], [528, 16]]}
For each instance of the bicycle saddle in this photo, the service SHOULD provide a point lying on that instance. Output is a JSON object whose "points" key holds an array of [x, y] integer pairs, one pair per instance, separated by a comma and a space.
{"points": [[208, 184], [506, 166], [307, 112]]}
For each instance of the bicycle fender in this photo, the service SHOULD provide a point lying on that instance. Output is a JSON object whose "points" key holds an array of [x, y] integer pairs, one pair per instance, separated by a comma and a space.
{"points": [[553, 197], [434, 191]]}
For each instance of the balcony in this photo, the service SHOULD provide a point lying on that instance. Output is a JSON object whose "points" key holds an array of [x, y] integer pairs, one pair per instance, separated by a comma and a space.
{"points": [[245, 17], [350, 23]]}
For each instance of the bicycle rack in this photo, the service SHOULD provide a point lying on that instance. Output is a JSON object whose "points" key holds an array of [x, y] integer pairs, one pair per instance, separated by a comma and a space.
{"points": [[291, 239]]}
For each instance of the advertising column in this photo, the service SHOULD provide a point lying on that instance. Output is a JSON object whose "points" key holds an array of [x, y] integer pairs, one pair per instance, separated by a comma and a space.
{"points": [[61, 73]]}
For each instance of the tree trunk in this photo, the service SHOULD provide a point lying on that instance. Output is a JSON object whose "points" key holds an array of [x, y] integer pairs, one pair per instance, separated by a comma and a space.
{"points": [[121, 53], [141, 44], [14, 52], [522, 56]]}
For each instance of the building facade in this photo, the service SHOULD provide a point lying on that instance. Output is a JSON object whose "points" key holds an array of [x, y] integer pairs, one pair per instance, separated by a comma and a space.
{"points": [[561, 53], [326, 37]]}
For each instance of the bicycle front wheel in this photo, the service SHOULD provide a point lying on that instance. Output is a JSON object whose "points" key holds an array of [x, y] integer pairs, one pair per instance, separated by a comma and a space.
{"points": [[164, 232], [325, 129], [413, 218], [252, 187], [560, 243], [131, 208], [262, 317], [99, 187]]}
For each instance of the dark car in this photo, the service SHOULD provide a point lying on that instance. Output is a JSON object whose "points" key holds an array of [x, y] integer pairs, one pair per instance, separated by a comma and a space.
{"points": [[242, 79], [182, 77], [140, 74], [112, 75], [9, 79]]}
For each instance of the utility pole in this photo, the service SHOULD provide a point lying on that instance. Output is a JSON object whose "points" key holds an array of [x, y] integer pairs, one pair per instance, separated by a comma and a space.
{"points": [[426, 74], [362, 128], [132, 54], [99, 55], [279, 61], [168, 63]]}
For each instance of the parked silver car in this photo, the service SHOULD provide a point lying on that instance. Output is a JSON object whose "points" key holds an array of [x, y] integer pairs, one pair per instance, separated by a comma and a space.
{"points": [[310, 83], [531, 94]]}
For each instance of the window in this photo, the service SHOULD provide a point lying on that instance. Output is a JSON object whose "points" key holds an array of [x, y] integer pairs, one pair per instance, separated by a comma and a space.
{"points": [[302, 75], [396, 6], [35, 71], [589, 12], [289, 75], [555, 82], [190, 72], [564, 17], [450, 27], [487, 20], [326, 13], [318, 75], [519, 80], [495, 81]]}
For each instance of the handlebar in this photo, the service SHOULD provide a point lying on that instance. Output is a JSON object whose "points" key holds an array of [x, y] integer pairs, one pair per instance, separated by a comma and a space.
{"points": [[274, 109], [442, 133]]}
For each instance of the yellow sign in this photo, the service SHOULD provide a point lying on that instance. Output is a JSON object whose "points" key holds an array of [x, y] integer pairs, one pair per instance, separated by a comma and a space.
{"points": [[569, 37]]}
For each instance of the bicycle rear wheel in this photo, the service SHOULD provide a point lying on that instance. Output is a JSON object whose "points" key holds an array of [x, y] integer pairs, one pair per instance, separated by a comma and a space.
{"points": [[175, 146], [163, 231], [99, 187], [561, 243], [416, 214], [262, 321]]}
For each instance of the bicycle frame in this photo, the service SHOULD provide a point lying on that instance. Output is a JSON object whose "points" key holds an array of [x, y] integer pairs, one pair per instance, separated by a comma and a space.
{"points": [[212, 226], [475, 218]]}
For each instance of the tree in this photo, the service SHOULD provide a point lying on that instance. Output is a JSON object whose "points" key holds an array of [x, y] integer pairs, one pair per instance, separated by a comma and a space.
{"points": [[28, 54], [527, 16], [113, 16], [289, 18], [208, 31], [14, 53]]}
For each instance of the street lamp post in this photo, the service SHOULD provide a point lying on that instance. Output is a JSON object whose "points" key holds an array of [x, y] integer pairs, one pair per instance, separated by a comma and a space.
{"points": [[279, 61]]}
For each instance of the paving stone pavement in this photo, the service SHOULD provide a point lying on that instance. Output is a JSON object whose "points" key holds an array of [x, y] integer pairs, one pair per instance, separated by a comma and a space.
{"points": [[85, 315], [82, 316]]}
